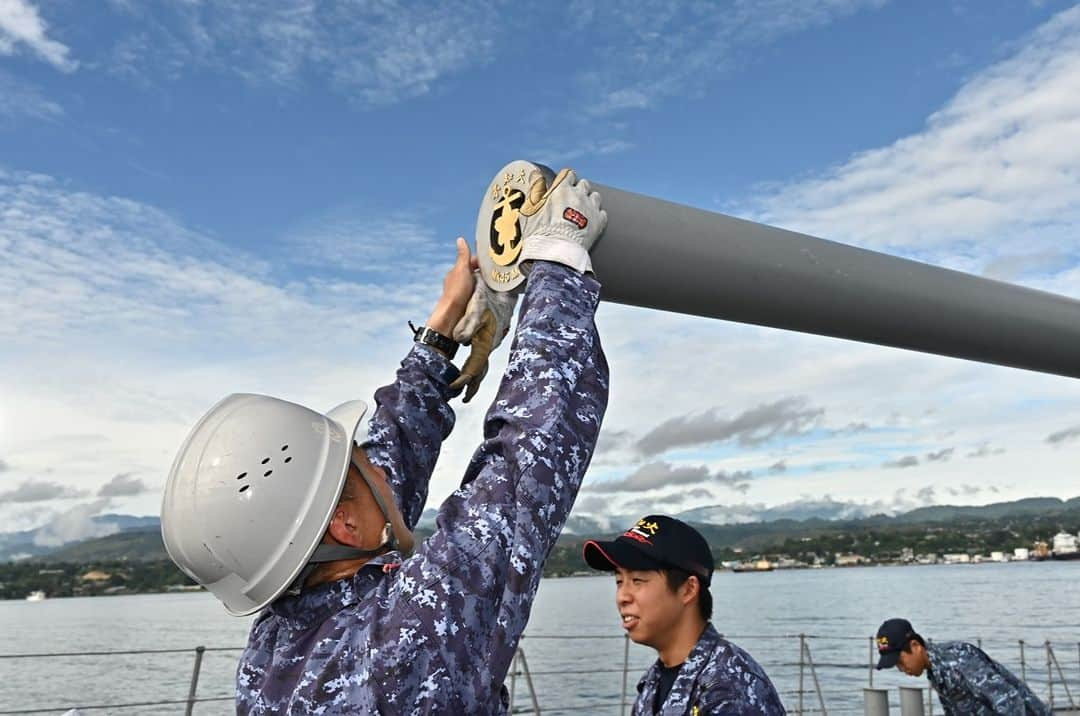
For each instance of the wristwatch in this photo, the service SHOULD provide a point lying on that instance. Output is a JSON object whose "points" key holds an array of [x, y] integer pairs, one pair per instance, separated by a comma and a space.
{"points": [[431, 337]]}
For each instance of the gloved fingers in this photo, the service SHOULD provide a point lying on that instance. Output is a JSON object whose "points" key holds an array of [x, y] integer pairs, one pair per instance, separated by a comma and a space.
{"points": [[470, 381], [474, 385], [585, 187], [475, 367], [594, 199]]}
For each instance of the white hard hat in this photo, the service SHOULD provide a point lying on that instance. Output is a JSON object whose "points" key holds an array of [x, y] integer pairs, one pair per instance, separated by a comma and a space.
{"points": [[251, 494]]}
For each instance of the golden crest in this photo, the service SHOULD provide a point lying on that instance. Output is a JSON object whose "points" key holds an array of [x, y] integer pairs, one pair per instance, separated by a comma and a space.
{"points": [[505, 235]]}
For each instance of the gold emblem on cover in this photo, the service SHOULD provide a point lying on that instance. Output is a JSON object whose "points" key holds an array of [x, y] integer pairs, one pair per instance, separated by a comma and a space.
{"points": [[505, 245]]}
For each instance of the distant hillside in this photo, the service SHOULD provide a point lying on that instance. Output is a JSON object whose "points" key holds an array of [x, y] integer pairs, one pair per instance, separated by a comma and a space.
{"points": [[131, 546], [1019, 508], [139, 539], [39, 542]]}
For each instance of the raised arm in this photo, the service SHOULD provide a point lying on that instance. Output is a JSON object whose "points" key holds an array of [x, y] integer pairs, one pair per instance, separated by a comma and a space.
{"points": [[475, 578], [470, 586], [412, 415], [412, 418]]}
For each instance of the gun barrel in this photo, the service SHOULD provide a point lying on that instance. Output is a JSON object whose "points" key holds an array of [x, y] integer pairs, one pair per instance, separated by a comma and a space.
{"points": [[661, 255]]}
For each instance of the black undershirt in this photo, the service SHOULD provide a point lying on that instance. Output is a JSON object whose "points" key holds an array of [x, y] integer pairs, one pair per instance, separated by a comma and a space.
{"points": [[667, 678]]}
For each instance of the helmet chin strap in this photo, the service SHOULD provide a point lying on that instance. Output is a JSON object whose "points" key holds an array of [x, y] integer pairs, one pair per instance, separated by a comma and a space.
{"points": [[334, 552]]}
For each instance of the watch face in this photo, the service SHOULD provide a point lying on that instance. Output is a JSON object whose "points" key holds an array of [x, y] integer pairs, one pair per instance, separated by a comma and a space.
{"points": [[498, 226]]}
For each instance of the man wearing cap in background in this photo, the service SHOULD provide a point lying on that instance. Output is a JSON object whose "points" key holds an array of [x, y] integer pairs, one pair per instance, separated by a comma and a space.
{"points": [[967, 681], [663, 569], [272, 507]]}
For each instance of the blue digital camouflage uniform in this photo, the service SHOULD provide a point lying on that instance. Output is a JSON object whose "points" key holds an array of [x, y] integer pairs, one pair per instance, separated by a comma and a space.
{"points": [[717, 678], [436, 632], [970, 683]]}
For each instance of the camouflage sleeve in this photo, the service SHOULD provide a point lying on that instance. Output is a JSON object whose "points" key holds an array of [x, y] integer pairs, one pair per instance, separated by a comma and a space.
{"points": [[412, 417], [473, 581], [988, 685]]}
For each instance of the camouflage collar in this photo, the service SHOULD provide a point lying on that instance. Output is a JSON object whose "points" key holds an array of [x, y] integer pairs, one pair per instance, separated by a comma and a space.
{"points": [[315, 605]]}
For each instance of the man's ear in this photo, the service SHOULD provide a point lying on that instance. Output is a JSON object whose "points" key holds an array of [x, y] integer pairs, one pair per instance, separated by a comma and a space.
{"points": [[343, 525], [690, 589]]}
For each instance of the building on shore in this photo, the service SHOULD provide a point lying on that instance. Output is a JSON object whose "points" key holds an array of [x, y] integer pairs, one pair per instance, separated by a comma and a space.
{"points": [[1021, 554], [957, 558], [850, 560], [1064, 544]]}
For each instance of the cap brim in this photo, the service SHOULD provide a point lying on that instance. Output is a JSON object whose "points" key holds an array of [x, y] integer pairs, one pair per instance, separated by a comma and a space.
{"points": [[608, 556], [888, 660]]}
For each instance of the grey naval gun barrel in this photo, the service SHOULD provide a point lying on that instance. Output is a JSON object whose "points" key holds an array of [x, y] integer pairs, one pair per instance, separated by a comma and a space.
{"points": [[666, 256]]}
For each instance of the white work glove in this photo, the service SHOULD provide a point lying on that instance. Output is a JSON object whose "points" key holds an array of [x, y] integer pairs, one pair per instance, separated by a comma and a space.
{"points": [[562, 222], [484, 325]]}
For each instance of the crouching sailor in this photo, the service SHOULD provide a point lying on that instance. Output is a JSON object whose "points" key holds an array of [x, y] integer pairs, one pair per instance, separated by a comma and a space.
{"points": [[275, 509], [663, 568], [967, 681]]}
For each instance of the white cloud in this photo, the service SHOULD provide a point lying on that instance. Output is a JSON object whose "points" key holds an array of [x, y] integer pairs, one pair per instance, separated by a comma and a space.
{"points": [[21, 27], [123, 322], [38, 491], [374, 53], [122, 485], [19, 99], [75, 524], [991, 178], [664, 49]]}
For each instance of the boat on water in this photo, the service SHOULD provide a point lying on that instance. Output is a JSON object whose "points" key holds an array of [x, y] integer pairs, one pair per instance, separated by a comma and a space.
{"points": [[761, 565], [36, 596]]}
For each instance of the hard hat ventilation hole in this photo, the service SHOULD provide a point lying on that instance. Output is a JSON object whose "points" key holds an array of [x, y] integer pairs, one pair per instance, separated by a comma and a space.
{"points": [[267, 473], [284, 448], [244, 487], [241, 476], [288, 459], [265, 460]]}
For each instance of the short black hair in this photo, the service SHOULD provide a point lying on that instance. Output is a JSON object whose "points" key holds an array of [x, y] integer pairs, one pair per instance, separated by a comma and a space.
{"points": [[677, 577]]}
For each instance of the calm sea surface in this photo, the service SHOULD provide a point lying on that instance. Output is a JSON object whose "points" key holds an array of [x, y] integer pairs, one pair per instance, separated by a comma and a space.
{"points": [[764, 613]]}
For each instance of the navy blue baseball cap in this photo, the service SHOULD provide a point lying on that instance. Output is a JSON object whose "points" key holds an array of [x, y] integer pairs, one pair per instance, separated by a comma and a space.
{"points": [[655, 542], [892, 636]]}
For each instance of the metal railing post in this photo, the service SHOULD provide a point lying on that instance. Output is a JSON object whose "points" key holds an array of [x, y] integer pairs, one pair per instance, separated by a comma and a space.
{"points": [[528, 680], [625, 673], [911, 701], [1023, 663], [813, 675], [1061, 674], [513, 677], [875, 702], [194, 680], [802, 662], [1049, 675], [871, 661]]}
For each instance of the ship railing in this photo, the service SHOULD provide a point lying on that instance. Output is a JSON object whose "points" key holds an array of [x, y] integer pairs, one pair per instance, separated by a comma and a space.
{"points": [[833, 661]]}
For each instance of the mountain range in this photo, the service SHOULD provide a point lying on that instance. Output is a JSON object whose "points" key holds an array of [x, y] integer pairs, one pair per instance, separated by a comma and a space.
{"points": [[139, 538]]}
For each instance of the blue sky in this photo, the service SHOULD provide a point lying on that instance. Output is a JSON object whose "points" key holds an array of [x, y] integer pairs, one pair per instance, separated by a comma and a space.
{"points": [[202, 197]]}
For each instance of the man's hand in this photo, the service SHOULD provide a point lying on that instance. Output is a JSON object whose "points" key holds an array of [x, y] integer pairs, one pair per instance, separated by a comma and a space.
{"points": [[561, 223], [484, 325], [457, 290]]}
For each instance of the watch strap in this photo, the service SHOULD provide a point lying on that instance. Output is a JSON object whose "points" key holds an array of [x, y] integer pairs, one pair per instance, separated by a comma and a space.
{"points": [[430, 337]]}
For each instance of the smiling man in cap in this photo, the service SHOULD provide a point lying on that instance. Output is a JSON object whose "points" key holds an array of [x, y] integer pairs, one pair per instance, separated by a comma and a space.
{"points": [[663, 569], [966, 679]]}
